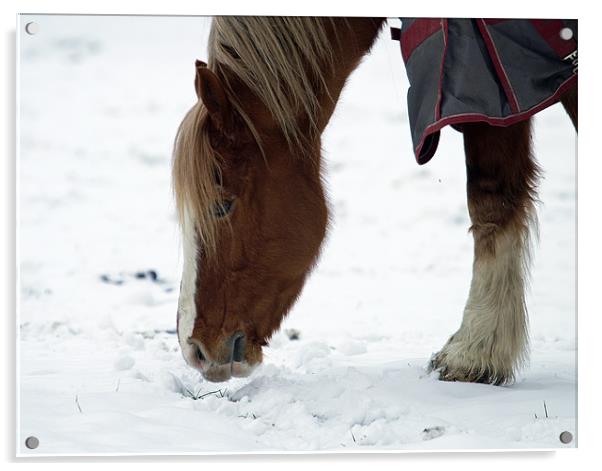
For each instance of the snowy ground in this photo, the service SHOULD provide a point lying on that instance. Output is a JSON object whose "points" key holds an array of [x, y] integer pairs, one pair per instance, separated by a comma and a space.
{"points": [[99, 365]]}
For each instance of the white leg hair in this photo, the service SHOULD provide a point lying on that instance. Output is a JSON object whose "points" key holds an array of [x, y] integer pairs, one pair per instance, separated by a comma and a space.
{"points": [[492, 341]]}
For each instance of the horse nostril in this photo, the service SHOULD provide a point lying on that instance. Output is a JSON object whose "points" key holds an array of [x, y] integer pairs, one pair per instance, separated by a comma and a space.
{"points": [[199, 353], [196, 349], [238, 347]]}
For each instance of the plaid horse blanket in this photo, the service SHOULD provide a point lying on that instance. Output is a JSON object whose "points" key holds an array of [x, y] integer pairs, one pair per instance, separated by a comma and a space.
{"points": [[498, 71]]}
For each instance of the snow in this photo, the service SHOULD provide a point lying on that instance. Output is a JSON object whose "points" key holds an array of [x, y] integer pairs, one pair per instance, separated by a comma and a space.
{"points": [[99, 365]]}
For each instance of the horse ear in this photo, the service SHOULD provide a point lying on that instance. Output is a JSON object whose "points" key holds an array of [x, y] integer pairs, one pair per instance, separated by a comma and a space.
{"points": [[211, 91], [198, 64]]}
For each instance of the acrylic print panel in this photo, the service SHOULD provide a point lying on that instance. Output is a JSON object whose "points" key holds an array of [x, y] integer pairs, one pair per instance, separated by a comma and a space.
{"points": [[100, 367]]}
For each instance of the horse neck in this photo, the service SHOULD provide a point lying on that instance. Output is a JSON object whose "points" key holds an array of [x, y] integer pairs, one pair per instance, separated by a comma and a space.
{"points": [[352, 39]]}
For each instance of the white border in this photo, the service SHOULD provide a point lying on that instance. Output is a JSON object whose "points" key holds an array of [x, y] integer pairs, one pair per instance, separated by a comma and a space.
{"points": [[17, 226], [589, 234]]}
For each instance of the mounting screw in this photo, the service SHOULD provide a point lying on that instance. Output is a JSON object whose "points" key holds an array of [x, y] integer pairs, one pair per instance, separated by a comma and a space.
{"points": [[32, 28], [32, 443], [566, 33], [566, 437]]}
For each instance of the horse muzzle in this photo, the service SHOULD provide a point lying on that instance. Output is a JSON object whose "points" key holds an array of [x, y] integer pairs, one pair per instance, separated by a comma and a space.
{"points": [[221, 367]]}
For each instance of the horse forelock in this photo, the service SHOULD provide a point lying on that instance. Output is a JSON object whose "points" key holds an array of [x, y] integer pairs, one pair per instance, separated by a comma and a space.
{"points": [[195, 167]]}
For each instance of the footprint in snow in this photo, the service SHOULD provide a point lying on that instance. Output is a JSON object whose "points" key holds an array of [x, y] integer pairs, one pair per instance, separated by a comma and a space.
{"points": [[122, 278]]}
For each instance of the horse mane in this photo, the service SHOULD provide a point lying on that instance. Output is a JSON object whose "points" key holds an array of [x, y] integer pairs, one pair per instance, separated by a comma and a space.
{"points": [[283, 61]]}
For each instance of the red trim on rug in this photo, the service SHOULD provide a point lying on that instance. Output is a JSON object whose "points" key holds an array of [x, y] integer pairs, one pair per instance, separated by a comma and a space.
{"points": [[417, 33], [499, 68], [503, 122], [549, 30]]}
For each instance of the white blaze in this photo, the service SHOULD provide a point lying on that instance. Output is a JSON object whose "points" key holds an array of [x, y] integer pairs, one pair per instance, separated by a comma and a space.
{"points": [[186, 304]]}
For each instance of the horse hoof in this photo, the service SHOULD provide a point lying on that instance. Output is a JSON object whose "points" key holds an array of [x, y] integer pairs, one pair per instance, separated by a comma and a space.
{"points": [[449, 371]]}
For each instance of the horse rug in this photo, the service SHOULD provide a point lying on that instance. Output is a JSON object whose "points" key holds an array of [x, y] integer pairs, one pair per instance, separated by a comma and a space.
{"points": [[498, 71]]}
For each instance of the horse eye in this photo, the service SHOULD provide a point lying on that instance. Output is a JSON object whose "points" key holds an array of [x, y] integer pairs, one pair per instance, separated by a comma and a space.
{"points": [[223, 209]]}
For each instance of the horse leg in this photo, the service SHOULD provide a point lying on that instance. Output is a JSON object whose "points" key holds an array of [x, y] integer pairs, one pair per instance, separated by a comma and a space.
{"points": [[569, 101], [502, 176]]}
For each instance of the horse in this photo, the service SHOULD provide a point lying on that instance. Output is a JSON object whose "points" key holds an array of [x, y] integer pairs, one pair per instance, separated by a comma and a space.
{"points": [[247, 178]]}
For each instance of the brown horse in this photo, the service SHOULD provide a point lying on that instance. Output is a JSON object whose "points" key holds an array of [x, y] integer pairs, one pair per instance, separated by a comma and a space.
{"points": [[247, 180]]}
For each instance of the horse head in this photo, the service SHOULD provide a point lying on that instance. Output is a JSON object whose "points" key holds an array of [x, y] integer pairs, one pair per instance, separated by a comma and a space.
{"points": [[253, 218]]}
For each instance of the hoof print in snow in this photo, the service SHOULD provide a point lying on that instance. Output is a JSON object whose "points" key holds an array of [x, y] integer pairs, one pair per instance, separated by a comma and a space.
{"points": [[112, 280], [150, 275], [430, 433], [293, 334]]}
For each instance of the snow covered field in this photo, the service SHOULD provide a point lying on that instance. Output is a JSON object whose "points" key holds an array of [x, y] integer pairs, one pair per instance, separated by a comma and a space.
{"points": [[99, 365]]}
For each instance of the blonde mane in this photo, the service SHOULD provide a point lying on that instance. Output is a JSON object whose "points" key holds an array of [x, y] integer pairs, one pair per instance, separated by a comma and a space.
{"points": [[282, 60]]}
